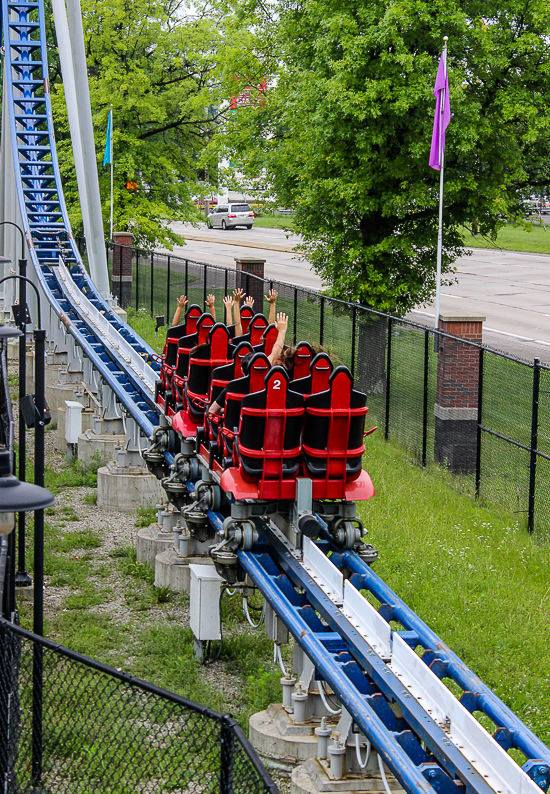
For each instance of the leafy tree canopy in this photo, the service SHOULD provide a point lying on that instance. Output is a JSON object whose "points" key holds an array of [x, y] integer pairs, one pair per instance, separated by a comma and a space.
{"points": [[157, 65], [343, 134]]}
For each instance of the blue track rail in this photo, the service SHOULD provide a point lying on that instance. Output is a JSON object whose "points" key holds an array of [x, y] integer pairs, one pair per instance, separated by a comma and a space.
{"points": [[414, 746], [43, 210]]}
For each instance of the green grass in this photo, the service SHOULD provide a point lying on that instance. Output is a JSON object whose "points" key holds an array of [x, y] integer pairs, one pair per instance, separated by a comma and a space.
{"points": [[512, 238], [467, 569], [72, 475], [275, 222]]}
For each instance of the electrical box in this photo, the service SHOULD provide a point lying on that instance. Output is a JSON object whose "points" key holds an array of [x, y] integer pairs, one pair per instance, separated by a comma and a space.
{"points": [[205, 602], [73, 421]]}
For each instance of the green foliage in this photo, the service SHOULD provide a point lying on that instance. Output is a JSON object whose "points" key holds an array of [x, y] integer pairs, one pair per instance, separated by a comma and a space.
{"points": [[91, 498], [154, 62], [163, 594], [145, 516], [72, 475], [343, 133], [142, 322]]}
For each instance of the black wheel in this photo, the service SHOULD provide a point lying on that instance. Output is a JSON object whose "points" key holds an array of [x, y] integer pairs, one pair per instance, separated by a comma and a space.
{"points": [[249, 226], [223, 225], [208, 224]]}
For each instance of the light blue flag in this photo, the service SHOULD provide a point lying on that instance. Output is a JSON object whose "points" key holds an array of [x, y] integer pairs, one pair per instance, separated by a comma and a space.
{"points": [[107, 155]]}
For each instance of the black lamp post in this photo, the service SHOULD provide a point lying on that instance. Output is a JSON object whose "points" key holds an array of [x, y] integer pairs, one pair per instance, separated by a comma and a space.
{"points": [[38, 600], [15, 497], [22, 578]]}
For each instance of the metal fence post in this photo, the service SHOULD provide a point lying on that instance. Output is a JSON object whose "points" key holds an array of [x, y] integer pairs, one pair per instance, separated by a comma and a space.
{"points": [[534, 444], [322, 322], [22, 577], [137, 279], [152, 266], [388, 382], [353, 330], [295, 313], [168, 291], [186, 275], [38, 607], [479, 420], [225, 282], [425, 397], [226, 757]]}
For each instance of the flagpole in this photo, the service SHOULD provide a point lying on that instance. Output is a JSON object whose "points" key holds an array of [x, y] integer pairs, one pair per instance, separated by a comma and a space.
{"points": [[112, 166], [441, 163]]}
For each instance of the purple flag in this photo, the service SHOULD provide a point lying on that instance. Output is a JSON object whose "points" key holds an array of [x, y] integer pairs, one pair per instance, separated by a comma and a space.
{"points": [[441, 85]]}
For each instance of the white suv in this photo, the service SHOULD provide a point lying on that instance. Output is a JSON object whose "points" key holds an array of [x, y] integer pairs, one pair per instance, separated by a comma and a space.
{"points": [[226, 216]]}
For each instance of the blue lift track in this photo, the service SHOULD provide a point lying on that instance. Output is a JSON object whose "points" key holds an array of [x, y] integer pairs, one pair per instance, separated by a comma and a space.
{"points": [[414, 746], [43, 211]]}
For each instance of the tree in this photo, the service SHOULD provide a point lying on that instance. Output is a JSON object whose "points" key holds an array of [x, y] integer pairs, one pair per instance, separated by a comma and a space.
{"points": [[344, 134], [156, 64]]}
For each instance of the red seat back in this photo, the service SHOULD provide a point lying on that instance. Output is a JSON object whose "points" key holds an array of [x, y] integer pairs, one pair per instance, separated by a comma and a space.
{"points": [[269, 436], [247, 313], [302, 360], [333, 435]]}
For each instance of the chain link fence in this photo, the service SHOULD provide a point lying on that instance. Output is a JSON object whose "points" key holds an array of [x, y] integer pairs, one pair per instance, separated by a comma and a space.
{"points": [[501, 452], [70, 724]]}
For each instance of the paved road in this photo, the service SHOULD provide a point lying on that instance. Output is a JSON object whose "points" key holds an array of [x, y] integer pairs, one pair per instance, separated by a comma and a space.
{"points": [[512, 290], [221, 248]]}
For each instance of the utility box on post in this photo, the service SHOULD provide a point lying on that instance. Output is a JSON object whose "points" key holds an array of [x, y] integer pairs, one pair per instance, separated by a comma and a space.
{"points": [[73, 421], [73, 426], [205, 620], [250, 274]]}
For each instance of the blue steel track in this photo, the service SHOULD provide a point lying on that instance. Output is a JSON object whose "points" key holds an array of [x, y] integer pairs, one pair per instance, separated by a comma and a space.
{"points": [[413, 745]]}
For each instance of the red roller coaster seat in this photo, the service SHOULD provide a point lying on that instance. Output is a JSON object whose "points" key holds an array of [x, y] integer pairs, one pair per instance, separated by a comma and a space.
{"points": [[302, 360], [269, 338], [333, 440], [185, 345], [170, 352], [318, 380], [236, 390], [202, 361], [268, 445], [255, 331]]}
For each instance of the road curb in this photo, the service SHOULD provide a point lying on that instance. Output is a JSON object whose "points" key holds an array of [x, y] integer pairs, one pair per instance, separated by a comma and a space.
{"points": [[242, 243]]}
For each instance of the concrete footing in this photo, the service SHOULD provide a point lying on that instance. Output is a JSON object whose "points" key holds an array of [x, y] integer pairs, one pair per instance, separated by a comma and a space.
{"points": [[279, 741], [314, 777], [93, 446], [172, 570], [152, 541], [127, 488]]}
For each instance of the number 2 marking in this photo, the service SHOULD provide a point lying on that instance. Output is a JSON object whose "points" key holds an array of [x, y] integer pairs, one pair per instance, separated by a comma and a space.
{"points": [[277, 384]]}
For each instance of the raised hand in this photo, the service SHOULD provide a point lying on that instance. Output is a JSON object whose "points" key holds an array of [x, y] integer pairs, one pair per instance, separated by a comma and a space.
{"points": [[249, 301], [228, 302], [210, 301], [272, 298], [282, 322], [182, 301], [238, 295]]}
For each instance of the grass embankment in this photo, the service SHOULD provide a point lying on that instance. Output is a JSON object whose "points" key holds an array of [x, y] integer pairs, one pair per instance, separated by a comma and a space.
{"points": [[466, 568], [275, 222], [513, 238]]}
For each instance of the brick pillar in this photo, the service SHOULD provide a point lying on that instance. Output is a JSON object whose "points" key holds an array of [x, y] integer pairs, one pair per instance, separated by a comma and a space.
{"points": [[255, 286], [121, 281], [457, 392]]}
